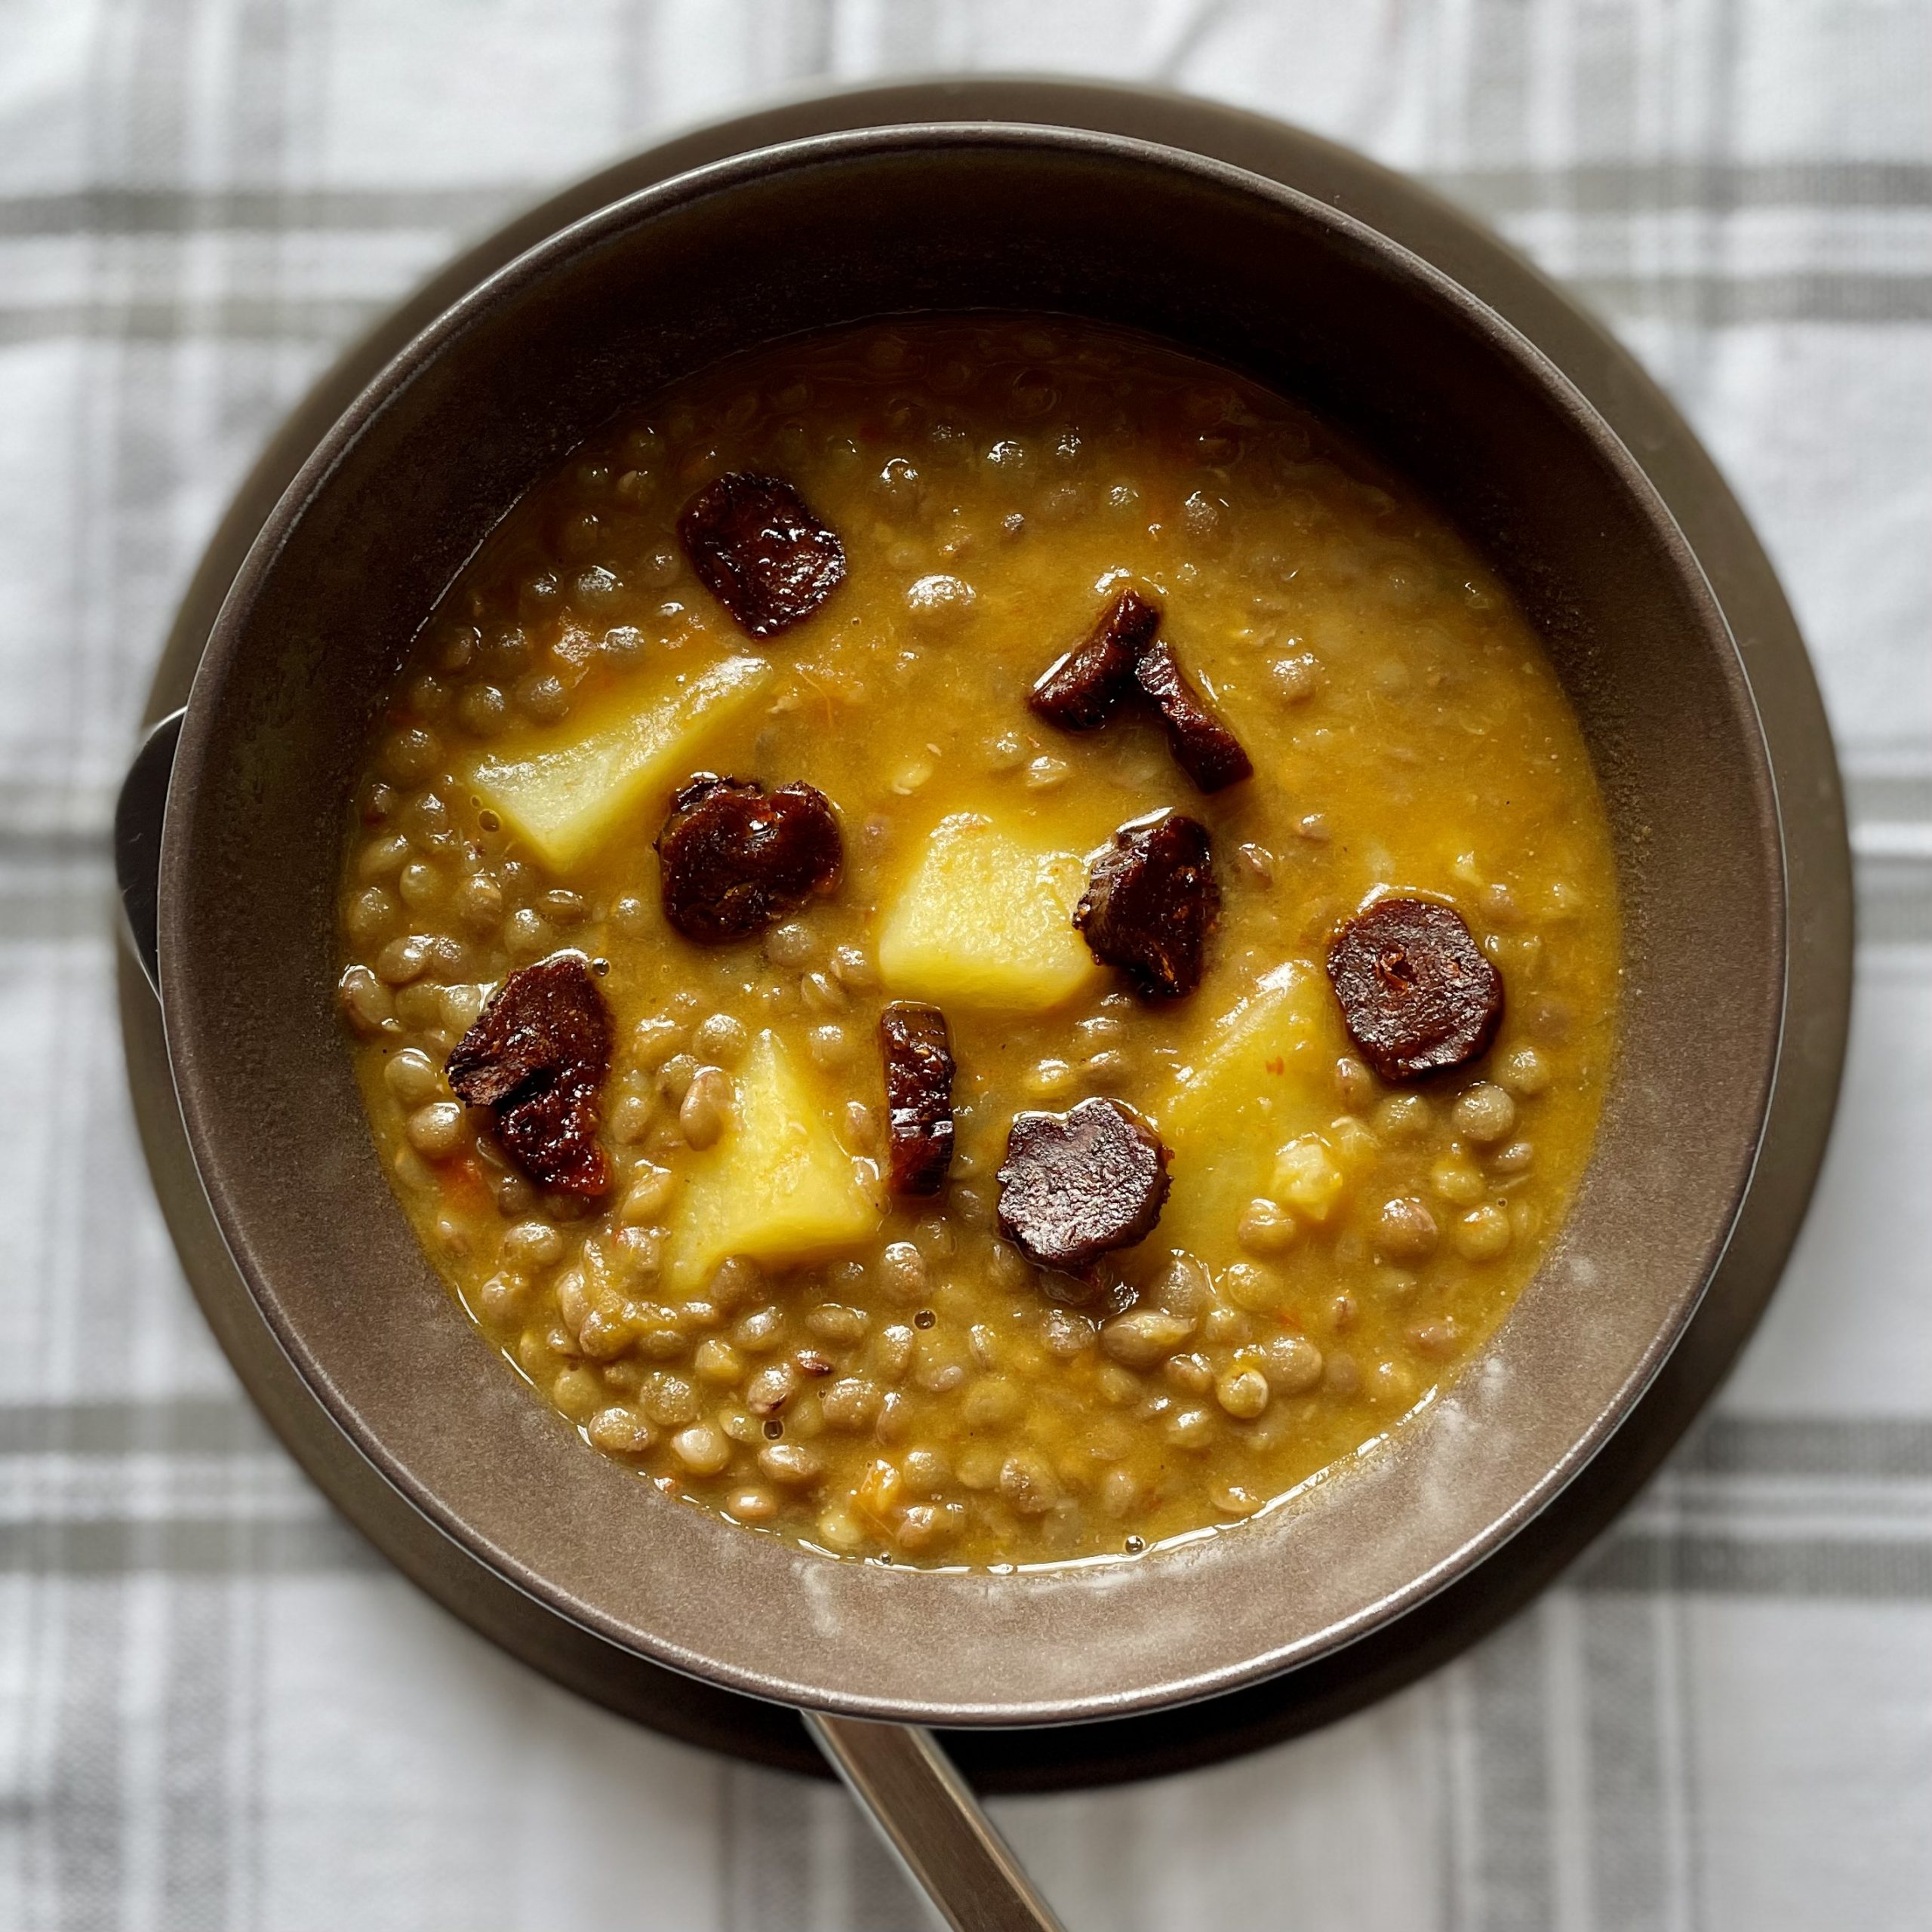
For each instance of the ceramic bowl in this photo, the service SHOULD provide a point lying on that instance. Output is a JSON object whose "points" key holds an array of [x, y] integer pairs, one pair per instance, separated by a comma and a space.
{"points": [[812, 234]]}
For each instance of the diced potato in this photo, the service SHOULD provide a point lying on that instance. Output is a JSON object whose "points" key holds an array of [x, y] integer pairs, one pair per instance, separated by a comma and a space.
{"points": [[564, 791], [986, 921], [776, 1186], [1268, 1078], [1307, 1178], [878, 1491]]}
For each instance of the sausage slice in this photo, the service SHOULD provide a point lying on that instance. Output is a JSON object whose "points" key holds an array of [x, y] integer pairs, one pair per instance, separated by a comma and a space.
{"points": [[1080, 690], [734, 861], [760, 552], [1418, 995], [536, 1058], [919, 1096], [1202, 745], [1124, 656], [1150, 903], [1077, 1184]]}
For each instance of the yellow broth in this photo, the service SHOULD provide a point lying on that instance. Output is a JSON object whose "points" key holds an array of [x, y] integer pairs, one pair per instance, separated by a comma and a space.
{"points": [[1332, 1247]]}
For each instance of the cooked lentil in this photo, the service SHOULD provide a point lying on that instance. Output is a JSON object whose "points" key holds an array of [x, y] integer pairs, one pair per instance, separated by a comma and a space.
{"points": [[913, 1390]]}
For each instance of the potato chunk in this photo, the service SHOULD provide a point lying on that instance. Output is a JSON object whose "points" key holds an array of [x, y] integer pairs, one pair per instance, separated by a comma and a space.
{"points": [[986, 921], [776, 1186], [1265, 1081], [1307, 1178], [566, 791]]}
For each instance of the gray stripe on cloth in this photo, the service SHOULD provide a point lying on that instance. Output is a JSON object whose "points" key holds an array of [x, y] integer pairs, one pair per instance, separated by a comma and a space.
{"points": [[159, 319], [144, 46], [1719, 301], [54, 902], [1867, 1569], [1877, 1447], [201, 1700], [1435, 1703], [1616, 1659], [86, 845], [1606, 113], [1583, 188], [798, 1858], [177, 1425], [1621, 187], [270, 104], [1889, 798], [1622, 1643], [241, 1544], [1894, 902], [85, 1817], [878, 1897], [1496, 69], [129, 210], [1508, 1867]]}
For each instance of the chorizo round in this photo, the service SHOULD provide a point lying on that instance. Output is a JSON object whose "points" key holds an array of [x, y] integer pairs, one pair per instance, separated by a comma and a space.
{"points": [[734, 859], [535, 1059], [1418, 995], [760, 552], [1074, 1187], [1151, 901]]}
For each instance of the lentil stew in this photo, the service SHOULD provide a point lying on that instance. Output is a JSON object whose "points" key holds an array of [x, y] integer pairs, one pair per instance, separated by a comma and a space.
{"points": [[1159, 892]]}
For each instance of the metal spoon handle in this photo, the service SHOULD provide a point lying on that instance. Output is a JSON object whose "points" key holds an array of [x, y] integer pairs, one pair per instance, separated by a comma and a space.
{"points": [[137, 817], [927, 1814]]}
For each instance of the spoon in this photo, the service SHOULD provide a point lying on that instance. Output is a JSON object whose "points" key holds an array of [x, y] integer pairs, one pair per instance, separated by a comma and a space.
{"points": [[927, 1814]]}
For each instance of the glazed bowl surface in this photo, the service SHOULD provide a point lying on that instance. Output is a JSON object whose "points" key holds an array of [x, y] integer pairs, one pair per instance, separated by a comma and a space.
{"points": [[811, 235]]}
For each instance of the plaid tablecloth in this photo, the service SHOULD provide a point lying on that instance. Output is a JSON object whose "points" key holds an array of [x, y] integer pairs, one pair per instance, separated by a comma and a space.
{"points": [[218, 1710]]}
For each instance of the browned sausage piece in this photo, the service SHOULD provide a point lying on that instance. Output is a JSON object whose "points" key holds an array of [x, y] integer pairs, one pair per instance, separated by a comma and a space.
{"points": [[1074, 1185], [760, 552], [1081, 689], [919, 1096], [1418, 995], [735, 861], [1150, 903], [1203, 746], [537, 1058]]}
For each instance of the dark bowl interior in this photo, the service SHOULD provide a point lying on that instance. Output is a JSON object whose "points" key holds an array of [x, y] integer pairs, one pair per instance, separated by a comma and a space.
{"points": [[827, 232]]}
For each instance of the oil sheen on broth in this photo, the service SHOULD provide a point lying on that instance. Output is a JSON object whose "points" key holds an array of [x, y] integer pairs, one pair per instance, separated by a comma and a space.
{"points": [[891, 1378]]}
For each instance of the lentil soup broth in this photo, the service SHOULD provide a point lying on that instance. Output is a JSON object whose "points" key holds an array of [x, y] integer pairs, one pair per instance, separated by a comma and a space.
{"points": [[913, 1387]]}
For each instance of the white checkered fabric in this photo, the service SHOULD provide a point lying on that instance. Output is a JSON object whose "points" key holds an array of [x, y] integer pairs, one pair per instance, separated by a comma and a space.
{"points": [[218, 1711]]}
